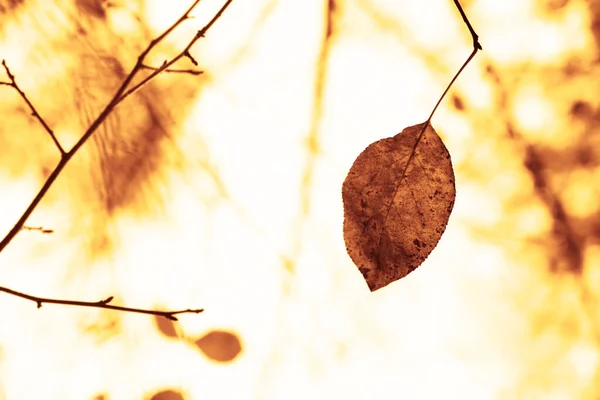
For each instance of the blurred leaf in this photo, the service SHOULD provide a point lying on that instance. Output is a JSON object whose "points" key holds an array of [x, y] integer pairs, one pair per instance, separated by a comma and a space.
{"points": [[220, 345], [167, 395], [165, 326], [397, 198]]}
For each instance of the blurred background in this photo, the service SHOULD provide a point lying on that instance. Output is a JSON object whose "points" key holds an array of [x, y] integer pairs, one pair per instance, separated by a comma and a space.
{"points": [[223, 190]]}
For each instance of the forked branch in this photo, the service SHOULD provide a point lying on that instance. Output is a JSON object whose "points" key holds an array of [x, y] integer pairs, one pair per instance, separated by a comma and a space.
{"points": [[125, 90], [121, 94]]}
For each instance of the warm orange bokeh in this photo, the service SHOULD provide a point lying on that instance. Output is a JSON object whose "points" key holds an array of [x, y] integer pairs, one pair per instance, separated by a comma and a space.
{"points": [[223, 191]]}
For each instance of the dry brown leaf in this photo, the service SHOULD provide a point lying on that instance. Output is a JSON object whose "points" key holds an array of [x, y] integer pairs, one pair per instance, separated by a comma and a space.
{"points": [[167, 395], [397, 198], [219, 345], [165, 326]]}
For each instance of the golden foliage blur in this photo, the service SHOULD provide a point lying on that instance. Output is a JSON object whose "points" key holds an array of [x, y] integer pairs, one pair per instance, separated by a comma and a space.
{"points": [[223, 191]]}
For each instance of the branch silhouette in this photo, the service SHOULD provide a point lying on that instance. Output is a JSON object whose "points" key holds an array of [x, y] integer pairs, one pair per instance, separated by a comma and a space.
{"points": [[98, 304], [125, 90]]}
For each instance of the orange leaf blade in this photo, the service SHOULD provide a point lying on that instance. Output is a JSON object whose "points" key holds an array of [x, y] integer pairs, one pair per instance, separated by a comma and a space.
{"points": [[398, 197]]}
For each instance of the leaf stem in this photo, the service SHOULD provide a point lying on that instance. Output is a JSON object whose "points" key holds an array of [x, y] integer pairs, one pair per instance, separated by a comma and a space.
{"points": [[476, 47]]}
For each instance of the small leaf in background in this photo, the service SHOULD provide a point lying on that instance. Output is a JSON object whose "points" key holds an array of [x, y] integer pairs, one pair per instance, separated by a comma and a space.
{"points": [[165, 326], [167, 395], [220, 345], [397, 197]]}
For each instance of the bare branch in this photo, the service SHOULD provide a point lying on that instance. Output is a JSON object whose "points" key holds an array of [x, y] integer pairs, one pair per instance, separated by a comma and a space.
{"points": [[38, 228], [184, 53], [99, 304], [121, 94], [34, 112]]}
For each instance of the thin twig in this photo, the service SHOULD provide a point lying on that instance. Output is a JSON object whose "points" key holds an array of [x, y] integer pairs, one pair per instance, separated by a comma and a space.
{"points": [[475, 37], [189, 57], [175, 71], [99, 304], [38, 228], [34, 112]]}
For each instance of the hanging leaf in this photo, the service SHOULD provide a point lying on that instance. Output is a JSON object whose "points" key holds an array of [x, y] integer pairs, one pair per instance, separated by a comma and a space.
{"points": [[397, 198]]}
